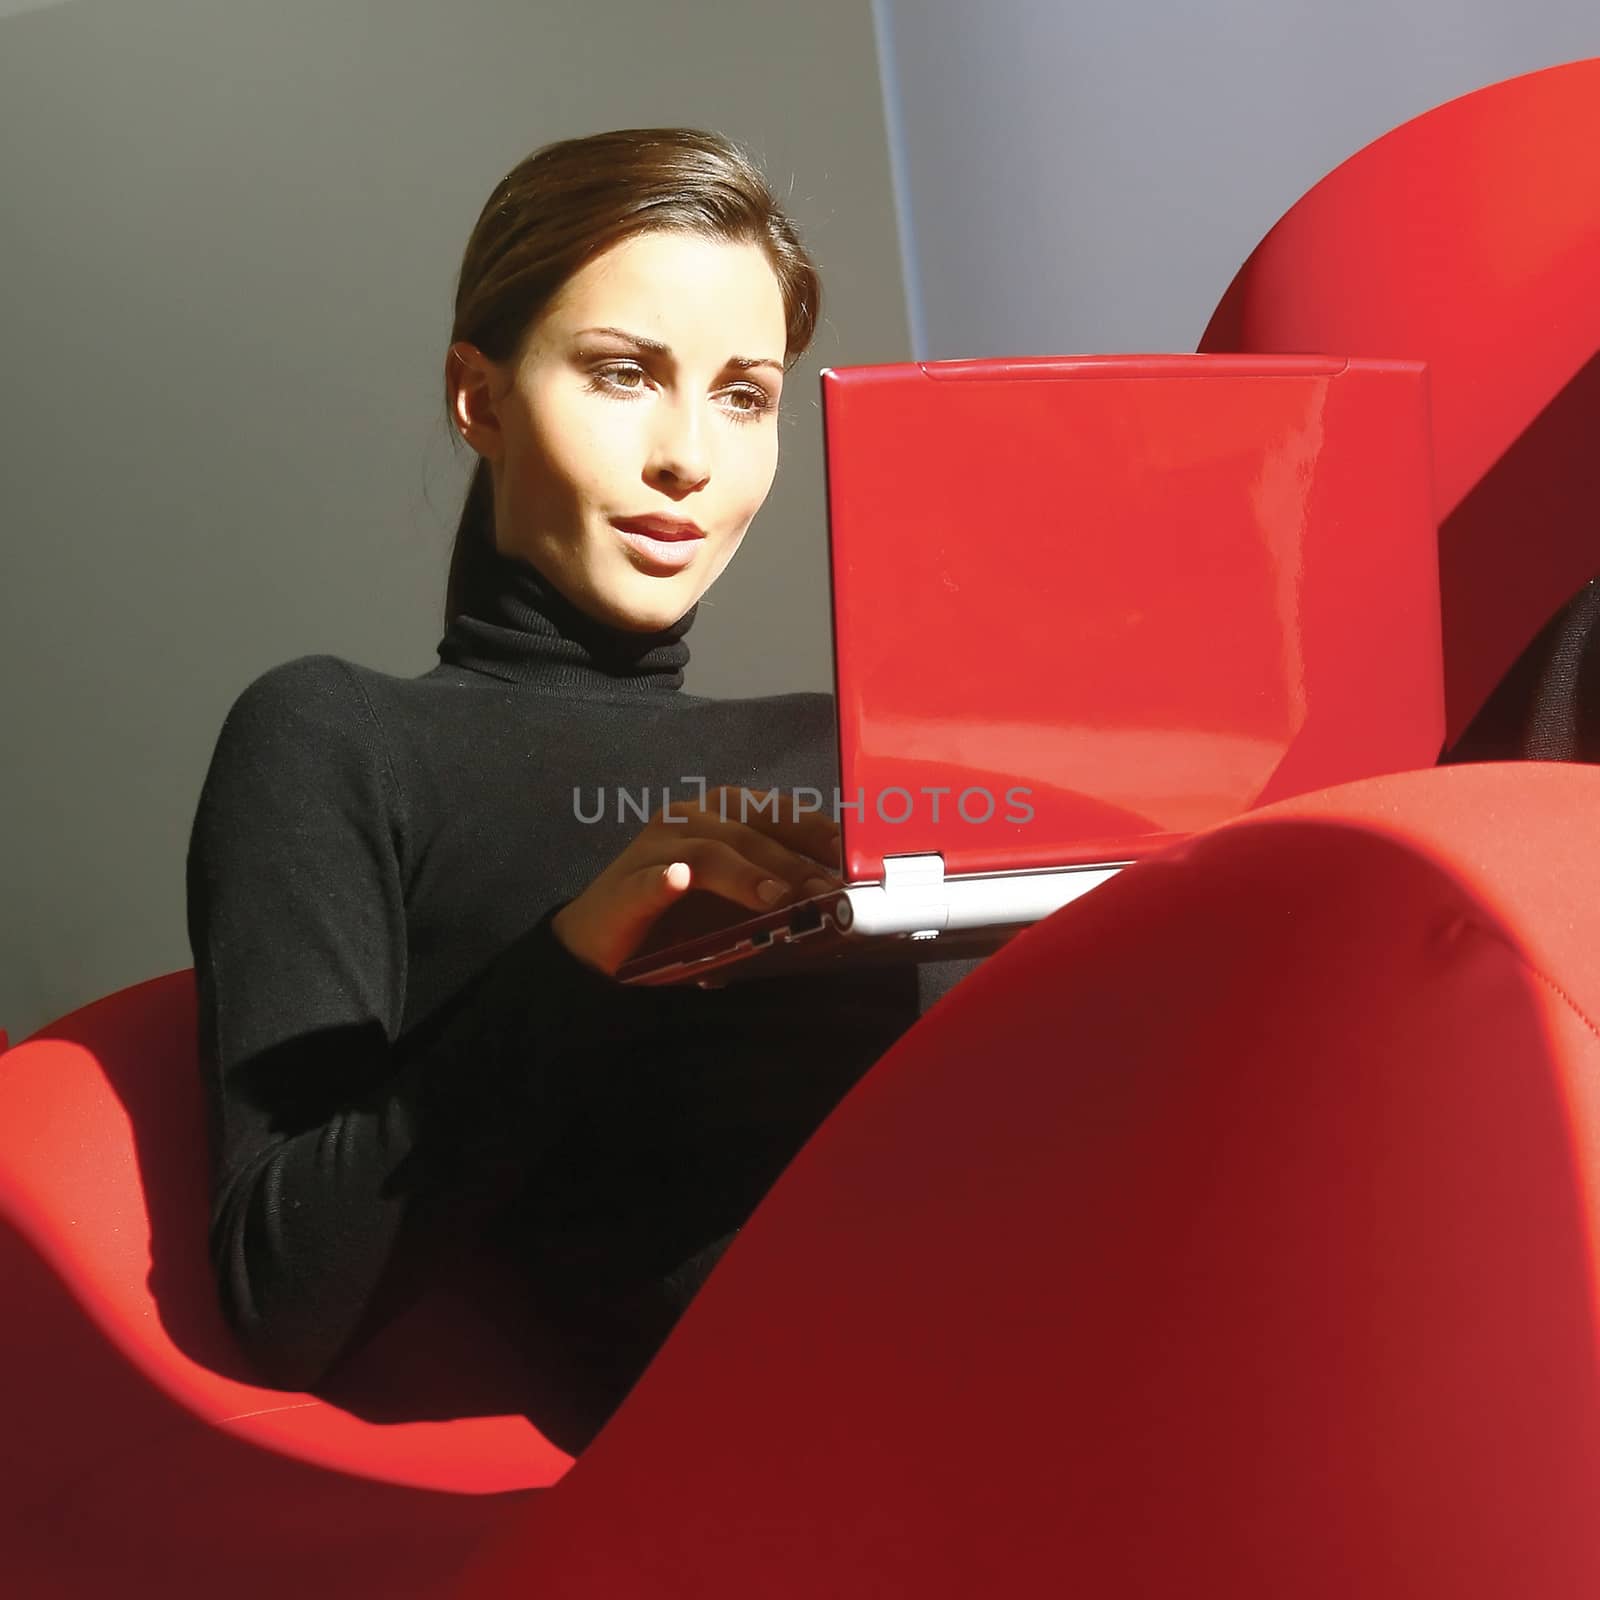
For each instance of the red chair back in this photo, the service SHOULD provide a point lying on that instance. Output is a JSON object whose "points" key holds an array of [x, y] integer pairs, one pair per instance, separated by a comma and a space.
{"points": [[1468, 238]]}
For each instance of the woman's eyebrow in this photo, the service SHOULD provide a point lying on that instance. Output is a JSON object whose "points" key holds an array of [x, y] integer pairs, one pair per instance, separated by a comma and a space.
{"points": [[655, 347]]}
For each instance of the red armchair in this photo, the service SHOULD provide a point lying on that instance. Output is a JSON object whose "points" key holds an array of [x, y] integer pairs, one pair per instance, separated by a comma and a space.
{"points": [[1232, 1231]]}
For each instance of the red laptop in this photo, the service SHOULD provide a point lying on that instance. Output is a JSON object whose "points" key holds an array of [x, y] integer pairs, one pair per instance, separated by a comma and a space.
{"points": [[1086, 605]]}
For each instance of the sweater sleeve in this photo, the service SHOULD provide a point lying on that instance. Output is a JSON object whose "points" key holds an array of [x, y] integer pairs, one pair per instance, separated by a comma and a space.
{"points": [[325, 1126]]}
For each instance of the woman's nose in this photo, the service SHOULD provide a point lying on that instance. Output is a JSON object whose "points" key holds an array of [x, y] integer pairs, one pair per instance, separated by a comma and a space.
{"points": [[679, 451]]}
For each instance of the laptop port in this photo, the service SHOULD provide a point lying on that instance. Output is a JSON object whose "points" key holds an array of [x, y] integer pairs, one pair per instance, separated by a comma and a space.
{"points": [[806, 919]]}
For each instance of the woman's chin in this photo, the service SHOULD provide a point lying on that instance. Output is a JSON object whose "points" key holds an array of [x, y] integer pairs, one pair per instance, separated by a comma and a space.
{"points": [[657, 607]]}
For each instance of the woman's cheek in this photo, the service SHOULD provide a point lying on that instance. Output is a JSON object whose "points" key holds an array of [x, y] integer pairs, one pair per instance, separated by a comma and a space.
{"points": [[762, 479]]}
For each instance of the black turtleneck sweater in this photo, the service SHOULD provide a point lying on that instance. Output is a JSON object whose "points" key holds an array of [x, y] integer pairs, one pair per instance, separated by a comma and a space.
{"points": [[388, 1024]]}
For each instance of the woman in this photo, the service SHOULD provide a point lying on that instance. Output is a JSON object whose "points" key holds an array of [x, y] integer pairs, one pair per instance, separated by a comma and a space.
{"points": [[405, 905]]}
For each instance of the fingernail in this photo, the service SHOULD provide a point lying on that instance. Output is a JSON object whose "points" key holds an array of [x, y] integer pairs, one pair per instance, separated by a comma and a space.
{"points": [[770, 890]]}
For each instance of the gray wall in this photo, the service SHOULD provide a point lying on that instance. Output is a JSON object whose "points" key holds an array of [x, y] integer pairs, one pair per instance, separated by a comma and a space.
{"points": [[230, 235], [1088, 175]]}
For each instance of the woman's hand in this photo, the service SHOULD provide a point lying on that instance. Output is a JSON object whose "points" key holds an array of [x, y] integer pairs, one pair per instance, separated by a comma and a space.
{"points": [[756, 863]]}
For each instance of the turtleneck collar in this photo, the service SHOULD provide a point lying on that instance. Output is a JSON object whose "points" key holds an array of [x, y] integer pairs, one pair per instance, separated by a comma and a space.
{"points": [[515, 626]]}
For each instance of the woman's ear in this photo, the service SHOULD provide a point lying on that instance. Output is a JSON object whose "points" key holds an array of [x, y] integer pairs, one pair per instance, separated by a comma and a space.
{"points": [[474, 385]]}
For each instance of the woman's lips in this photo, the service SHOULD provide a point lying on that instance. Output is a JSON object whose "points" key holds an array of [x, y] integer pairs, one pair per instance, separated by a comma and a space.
{"points": [[668, 555]]}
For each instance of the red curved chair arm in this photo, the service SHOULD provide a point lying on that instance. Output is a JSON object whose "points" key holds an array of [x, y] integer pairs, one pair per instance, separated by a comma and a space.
{"points": [[1234, 1231], [126, 1397]]}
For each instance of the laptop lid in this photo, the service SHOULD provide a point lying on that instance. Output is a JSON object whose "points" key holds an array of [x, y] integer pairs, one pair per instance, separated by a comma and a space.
{"points": [[1084, 606]]}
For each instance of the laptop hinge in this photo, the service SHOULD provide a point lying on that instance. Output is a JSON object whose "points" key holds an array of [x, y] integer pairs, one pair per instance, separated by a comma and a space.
{"points": [[913, 872], [915, 885]]}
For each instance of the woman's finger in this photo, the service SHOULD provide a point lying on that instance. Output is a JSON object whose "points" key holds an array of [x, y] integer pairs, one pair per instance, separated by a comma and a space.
{"points": [[762, 850], [809, 833], [720, 866]]}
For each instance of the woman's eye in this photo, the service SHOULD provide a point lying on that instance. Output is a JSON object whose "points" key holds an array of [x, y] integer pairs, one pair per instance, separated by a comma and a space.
{"points": [[613, 375], [752, 400]]}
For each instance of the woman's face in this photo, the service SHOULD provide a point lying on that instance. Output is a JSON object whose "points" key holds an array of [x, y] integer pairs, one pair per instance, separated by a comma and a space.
{"points": [[636, 436]]}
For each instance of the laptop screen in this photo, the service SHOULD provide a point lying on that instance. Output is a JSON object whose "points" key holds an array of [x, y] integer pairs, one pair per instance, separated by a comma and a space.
{"points": [[1085, 606]]}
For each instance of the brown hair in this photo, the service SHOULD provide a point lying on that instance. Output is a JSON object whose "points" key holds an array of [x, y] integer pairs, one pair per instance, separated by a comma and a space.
{"points": [[565, 204]]}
